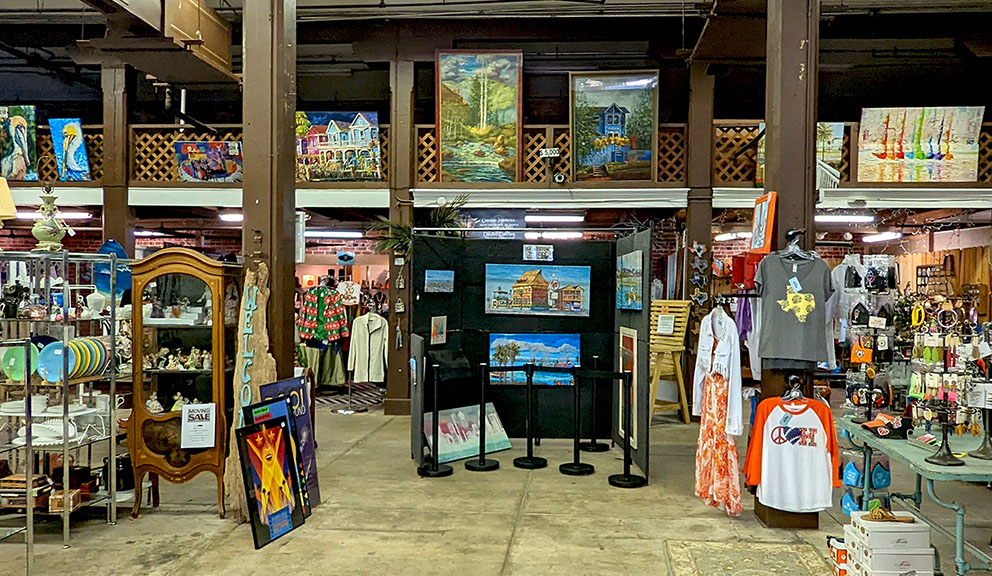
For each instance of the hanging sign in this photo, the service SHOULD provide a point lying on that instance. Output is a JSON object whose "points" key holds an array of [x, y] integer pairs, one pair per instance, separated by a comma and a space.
{"points": [[539, 253]]}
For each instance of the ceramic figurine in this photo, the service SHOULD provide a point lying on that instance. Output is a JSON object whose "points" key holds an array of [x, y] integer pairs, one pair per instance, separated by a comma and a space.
{"points": [[193, 360], [50, 229], [153, 405], [180, 401], [173, 363], [208, 362], [148, 362]]}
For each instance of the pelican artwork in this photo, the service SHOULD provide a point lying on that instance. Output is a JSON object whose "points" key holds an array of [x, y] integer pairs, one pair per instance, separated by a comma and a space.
{"points": [[70, 149], [17, 147]]}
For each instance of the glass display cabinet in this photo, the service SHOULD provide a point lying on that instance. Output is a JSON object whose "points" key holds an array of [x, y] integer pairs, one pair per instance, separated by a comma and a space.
{"points": [[185, 319]]}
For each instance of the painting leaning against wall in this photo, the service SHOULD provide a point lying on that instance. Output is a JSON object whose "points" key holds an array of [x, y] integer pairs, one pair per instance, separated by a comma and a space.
{"points": [[18, 149], [478, 115]]}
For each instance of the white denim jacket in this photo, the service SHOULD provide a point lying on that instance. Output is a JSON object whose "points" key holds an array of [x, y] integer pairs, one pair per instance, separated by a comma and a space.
{"points": [[718, 329]]}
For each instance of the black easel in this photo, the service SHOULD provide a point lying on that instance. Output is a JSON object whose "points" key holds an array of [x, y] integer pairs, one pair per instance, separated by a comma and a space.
{"points": [[530, 462], [576, 467], [435, 469], [482, 464], [627, 480], [593, 445]]}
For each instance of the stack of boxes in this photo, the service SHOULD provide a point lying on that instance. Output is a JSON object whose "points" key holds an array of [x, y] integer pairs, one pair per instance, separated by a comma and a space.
{"points": [[838, 553], [887, 548]]}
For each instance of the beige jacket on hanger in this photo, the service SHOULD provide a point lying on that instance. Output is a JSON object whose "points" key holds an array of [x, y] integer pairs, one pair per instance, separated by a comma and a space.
{"points": [[367, 352]]}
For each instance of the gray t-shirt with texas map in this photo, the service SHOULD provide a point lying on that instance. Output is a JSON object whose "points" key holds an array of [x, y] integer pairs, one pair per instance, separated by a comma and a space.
{"points": [[794, 293]]}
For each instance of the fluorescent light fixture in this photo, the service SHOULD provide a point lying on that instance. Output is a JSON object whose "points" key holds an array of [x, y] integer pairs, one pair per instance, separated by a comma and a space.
{"points": [[332, 234], [62, 215], [882, 237], [728, 236], [232, 217], [553, 235], [148, 234], [555, 218], [845, 218]]}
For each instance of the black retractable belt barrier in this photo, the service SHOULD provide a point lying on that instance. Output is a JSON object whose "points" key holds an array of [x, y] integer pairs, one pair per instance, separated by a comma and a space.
{"points": [[576, 467], [482, 464], [627, 480], [530, 462], [593, 445], [435, 469]]}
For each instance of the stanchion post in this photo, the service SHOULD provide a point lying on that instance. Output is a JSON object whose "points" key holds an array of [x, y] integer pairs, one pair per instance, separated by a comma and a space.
{"points": [[627, 480], [530, 462], [576, 467], [482, 464], [593, 445], [435, 469]]}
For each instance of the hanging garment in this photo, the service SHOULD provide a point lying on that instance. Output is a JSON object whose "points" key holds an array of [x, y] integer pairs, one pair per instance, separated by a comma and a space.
{"points": [[793, 457], [368, 351], [717, 379], [754, 338], [793, 301], [322, 315]]}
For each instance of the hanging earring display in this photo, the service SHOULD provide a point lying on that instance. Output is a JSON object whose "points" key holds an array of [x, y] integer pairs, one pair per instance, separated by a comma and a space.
{"points": [[919, 315]]}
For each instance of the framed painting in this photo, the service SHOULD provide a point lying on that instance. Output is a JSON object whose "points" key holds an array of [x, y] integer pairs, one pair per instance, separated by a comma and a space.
{"points": [[557, 350], [439, 281], [536, 290], [298, 392], [209, 161], [70, 149], [763, 223], [628, 363], [919, 144], [439, 329], [630, 281], [829, 150], [18, 147], [479, 116], [614, 122], [458, 432], [338, 147], [276, 408]]}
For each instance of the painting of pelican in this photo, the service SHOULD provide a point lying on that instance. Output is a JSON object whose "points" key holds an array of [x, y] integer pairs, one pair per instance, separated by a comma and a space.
{"points": [[18, 156], [70, 149]]}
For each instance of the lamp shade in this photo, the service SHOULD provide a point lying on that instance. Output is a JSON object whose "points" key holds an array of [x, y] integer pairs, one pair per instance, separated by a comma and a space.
{"points": [[7, 208]]}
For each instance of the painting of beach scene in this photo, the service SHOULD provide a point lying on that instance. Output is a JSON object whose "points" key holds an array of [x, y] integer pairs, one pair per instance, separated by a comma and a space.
{"points": [[537, 290], [18, 149], [439, 281], [630, 281], [337, 146], [70, 149], [829, 151], [552, 350], [478, 115]]}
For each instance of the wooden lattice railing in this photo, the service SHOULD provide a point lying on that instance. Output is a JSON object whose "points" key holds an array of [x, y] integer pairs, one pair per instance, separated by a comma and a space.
{"points": [[47, 165]]}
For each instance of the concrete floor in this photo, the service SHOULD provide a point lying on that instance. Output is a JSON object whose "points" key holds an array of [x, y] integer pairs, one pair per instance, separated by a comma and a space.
{"points": [[379, 517]]}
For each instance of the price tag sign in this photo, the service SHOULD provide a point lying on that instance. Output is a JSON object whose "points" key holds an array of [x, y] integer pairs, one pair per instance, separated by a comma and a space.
{"points": [[876, 322], [666, 324], [549, 152]]}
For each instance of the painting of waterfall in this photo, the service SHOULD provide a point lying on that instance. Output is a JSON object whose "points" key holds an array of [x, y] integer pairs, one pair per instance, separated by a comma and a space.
{"points": [[70, 149], [478, 115], [18, 151]]}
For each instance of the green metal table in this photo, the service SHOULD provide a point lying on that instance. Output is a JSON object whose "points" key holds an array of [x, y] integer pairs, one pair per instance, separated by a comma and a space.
{"points": [[913, 456]]}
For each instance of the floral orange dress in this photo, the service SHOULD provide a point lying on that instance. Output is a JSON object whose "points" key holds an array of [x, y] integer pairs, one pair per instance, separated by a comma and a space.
{"points": [[717, 467]]}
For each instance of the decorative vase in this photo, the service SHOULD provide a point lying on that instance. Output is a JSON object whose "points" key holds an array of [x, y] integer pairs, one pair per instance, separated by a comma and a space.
{"points": [[49, 230]]}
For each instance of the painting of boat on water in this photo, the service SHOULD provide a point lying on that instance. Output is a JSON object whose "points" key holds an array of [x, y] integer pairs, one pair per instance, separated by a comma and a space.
{"points": [[549, 350], [478, 115]]}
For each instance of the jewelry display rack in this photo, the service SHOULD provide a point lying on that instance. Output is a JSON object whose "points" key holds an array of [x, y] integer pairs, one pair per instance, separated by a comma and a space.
{"points": [[48, 281]]}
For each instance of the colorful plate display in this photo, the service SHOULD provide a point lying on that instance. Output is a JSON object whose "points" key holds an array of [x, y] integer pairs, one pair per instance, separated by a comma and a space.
{"points": [[50, 362], [93, 366], [81, 356], [13, 362]]}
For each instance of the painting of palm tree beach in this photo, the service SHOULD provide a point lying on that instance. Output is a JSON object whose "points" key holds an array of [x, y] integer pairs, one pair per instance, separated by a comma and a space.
{"points": [[553, 350]]}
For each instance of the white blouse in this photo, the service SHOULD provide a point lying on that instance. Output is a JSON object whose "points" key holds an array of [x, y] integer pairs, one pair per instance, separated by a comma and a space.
{"points": [[718, 330]]}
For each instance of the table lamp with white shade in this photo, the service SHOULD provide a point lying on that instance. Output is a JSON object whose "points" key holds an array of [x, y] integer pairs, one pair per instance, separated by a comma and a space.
{"points": [[7, 209]]}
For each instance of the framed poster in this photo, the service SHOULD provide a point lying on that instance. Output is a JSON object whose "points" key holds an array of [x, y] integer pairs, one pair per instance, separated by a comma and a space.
{"points": [[338, 147], [18, 143], [209, 161], [537, 290], [271, 484], [298, 392], [628, 363], [558, 350], [458, 432], [630, 281], [70, 149], [479, 115], [281, 408], [439, 329], [439, 281], [919, 144], [614, 123], [763, 223]]}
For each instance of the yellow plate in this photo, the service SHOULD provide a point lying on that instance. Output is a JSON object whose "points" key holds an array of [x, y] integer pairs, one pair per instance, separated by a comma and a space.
{"points": [[83, 358]]}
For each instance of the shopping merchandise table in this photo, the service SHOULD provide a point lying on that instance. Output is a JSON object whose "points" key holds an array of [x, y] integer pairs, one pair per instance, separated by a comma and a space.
{"points": [[913, 456]]}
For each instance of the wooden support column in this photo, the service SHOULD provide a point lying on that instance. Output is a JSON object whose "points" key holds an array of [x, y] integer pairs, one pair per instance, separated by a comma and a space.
{"points": [[118, 216], [699, 217], [269, 197], [401, 153], [790, 113]]}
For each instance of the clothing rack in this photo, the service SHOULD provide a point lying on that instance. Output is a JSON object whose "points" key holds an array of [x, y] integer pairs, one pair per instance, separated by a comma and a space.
{"points": [[727, 298]]}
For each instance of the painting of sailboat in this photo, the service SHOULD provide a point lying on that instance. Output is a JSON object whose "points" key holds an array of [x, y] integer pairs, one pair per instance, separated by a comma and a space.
{"points": [[919, 144], [70, 149], [18, 151]]}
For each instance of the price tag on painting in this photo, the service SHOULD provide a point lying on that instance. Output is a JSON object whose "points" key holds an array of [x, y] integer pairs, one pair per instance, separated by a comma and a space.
{"points": [[549, 152]]}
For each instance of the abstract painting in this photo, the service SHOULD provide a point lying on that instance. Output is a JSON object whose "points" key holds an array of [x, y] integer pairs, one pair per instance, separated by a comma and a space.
{"points": [[276, 408], [439, 281], [271, 482], [919, 144], [552, 350], [533, 289], [628, 363], [439, 329], [338, 146], [630, 281], [18, 150], [297, 391], [70, 149], [614, 125], [458, 432], [829, 150], [479, 115], [209, 161]]}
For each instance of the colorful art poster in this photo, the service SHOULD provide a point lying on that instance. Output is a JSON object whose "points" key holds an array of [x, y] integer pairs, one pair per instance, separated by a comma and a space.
{"points": [[271, 483], [275, 408], [829, 150], [70, 149], [614, 125], [536, 290], [630, 281], [551, 350], [439, 281], [628, 363], [18, 148], [458, 432], [919, 144], [338, 147], [439, 329], [479, 115], [209, 161], [297, 391]]}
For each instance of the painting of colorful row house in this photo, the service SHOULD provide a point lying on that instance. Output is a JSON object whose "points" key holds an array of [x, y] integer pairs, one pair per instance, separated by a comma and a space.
{"points": [[549, 350], [338, 147], [218, 161], [614, 125], [526, 289], [18, 151]]}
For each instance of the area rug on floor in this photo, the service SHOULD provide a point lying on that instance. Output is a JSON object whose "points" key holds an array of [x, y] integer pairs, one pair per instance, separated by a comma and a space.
{"points": [[689, 558], [362, 396]]}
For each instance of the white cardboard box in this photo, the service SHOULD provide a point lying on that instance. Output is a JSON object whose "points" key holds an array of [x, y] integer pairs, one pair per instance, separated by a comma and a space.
{"points": [[898, 561], [892, 535], [855, 546]]}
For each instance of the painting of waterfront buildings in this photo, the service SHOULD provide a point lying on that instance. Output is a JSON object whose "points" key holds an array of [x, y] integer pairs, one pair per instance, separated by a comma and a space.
{"points": [[537, 290]]}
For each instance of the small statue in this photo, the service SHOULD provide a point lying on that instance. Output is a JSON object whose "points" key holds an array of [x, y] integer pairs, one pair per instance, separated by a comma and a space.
{"points": [[193, 360], [173, 363], [148, 362], [180, 401], [208, 362], [153, 405]]}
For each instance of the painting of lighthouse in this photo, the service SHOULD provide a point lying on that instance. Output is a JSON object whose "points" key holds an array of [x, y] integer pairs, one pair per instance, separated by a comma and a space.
{"points": [[614, 125], [70, 149], [478, 115], [18, 151]]}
